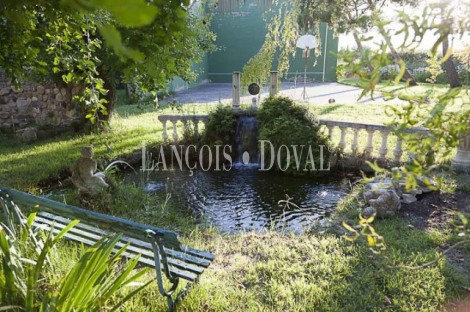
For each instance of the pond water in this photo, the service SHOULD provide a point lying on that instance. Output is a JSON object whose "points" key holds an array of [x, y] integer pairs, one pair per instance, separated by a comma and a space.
{"points": [[245, 198]]}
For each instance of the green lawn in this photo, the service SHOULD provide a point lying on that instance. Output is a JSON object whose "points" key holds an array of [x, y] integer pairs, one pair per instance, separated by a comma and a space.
{"points": [[253, 272]]}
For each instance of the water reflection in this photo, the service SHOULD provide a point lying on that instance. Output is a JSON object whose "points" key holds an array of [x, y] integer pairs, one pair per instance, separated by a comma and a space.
{"points": [[245, 198]]}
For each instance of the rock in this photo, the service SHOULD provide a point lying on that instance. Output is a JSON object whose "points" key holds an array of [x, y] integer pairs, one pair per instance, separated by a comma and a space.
{"points": [[56, 90], [380, 184], [425, 186], [40, 89], [27, 135], [408, 198], [63, 91], [385, 201], [368, 212], [4, 91], [71, 113], [4, 115], [16, 90], [21, 103], [59, 97]]}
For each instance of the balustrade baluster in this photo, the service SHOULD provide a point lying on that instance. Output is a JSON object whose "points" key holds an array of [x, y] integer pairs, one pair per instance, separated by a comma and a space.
{"points": [[398, 151], [196, 128], [175, 131], [164, 133], [355, 145], [330, 132], [383, 148], [369, 147], [342, 141]]}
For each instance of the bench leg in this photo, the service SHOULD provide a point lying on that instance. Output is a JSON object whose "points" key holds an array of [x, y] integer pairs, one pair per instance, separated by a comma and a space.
{"points": [[158, 251]]}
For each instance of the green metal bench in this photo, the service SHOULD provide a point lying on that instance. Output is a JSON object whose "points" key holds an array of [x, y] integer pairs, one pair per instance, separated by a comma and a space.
{"points": [[158, 248]]}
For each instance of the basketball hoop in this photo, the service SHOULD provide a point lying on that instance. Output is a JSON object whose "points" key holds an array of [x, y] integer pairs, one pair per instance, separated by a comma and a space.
{"points": [[306, 43]]}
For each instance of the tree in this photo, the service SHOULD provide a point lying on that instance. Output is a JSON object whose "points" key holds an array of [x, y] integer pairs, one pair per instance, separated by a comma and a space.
{"points": [[446, 11], [93, 42], [454, 79], [353, 16]]}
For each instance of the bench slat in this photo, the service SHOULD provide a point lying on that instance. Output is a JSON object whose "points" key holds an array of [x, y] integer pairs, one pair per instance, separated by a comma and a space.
{"points": [[146, 261], [120, 225], [199, 259], [131, 249], [198, 253]]}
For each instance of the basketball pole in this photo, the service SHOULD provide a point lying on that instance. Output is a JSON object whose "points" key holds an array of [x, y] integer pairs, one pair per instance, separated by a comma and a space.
{"points": [[305, 57]]}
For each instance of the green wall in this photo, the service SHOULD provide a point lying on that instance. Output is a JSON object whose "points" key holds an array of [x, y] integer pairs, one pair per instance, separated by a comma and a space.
{"points": [[241, 33], [201, 68]]}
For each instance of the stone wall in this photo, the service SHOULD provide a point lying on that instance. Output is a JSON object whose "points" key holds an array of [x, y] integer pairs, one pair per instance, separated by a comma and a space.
{"points": [[37, 107]]}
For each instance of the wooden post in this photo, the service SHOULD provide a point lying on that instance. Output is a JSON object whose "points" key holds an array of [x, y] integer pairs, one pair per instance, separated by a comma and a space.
{"points": [[273, 82], [236, 90]]}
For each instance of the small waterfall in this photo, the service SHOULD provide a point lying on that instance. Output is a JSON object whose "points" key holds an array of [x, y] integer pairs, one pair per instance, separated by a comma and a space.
{"points": [[246, 140]]}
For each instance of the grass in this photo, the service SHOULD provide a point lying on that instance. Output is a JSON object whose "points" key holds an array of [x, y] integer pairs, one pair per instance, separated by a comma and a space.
{"points": [[275, 271], [431, 91], [280, 271]]}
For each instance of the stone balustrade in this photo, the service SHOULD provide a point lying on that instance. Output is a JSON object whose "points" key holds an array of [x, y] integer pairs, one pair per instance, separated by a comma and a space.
{"points": [[370, 129], [345, 129], [186, 120]]}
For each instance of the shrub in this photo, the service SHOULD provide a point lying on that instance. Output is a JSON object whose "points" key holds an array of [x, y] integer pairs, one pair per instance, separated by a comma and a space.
{"points": [[220, 129], [28, 259], [282, 122], [422, 77]]}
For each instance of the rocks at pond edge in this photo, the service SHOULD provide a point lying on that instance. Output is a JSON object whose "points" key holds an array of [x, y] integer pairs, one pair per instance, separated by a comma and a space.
{"points": [[368, 212], [385, 201], [399, 189]]}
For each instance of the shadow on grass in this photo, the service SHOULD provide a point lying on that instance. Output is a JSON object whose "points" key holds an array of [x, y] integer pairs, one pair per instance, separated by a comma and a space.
{"points": [[329, 109]]}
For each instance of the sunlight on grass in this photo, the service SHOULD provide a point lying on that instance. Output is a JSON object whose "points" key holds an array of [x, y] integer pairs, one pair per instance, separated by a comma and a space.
{"points": [[269, 271]]}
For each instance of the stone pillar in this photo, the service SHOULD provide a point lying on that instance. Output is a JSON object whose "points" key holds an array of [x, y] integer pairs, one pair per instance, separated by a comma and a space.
{"points": [[355, 144], [383, 148], [398, 151], [164, 133], [369, 147], [236, 90], [342, 141], [273, 81], [461, 161]]}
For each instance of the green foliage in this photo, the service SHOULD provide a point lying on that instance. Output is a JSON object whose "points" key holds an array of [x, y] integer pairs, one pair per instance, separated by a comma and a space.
{"points": [[90, 43], [282, 33], [282, 122], [220, 129], [444, 122], [89, 286]]}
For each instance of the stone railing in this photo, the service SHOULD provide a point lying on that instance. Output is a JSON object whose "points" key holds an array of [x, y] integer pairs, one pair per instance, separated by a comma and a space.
{"points": [[186, 120], [344, 127], [370, 129]]}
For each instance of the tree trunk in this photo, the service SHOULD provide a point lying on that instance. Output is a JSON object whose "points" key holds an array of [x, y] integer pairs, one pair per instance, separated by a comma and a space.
{"points": [[453, 76], [111, 97], [361, 51], [406, 75]]}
